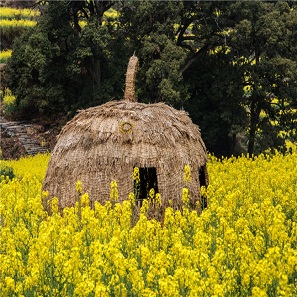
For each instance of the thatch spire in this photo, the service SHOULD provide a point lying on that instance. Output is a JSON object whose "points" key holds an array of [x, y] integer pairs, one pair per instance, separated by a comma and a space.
{"points": [[130, 79]]}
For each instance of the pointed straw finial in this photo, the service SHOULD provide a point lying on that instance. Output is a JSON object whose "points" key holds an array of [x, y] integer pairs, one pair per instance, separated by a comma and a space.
{"points": [[130, 79]]}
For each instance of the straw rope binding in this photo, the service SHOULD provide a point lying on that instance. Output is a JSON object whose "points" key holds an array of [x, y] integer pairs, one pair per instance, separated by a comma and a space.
{"points": [[130, 79]]}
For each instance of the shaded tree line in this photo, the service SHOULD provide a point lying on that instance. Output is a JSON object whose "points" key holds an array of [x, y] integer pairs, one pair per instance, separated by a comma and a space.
{"points": [[231, 65]]}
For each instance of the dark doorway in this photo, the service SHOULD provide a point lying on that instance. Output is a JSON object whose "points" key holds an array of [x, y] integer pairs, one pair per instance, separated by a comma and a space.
{"points": [[203, 180], [202, 176], [148, 180]]}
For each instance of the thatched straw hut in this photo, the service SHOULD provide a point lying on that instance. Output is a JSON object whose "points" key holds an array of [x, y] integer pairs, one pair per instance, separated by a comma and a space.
{"points": [[105, 143]]}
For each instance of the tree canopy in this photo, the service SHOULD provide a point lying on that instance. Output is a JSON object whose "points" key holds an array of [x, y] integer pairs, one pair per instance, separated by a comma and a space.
{"points": [[232, 65]]}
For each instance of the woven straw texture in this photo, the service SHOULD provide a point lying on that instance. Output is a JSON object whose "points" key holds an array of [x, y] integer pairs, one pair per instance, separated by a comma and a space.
{"points": [[130, 79], [96, 147], [105, 143]]}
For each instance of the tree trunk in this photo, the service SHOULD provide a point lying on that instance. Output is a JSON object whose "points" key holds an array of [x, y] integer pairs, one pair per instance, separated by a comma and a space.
{"points": [[233, 144], [97, 72], [255, 115], [94, 70]]}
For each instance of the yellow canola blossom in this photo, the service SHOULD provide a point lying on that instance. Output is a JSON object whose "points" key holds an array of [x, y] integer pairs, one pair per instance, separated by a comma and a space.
{"points": [[17, 23], [243, 244], [10, 12], [5, 55]]}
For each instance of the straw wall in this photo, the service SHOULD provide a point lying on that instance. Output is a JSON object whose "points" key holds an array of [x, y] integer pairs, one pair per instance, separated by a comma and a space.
{"points": [[105, 143]]}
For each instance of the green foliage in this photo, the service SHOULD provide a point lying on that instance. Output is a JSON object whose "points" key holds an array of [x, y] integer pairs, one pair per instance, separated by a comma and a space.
{"points": [[58, 68], [217, 106], [164, 81], [232, 65], [8, 34], [256, 53], [262, 35], [6, 172], [150, 28], [9, 103], [29, 71]]}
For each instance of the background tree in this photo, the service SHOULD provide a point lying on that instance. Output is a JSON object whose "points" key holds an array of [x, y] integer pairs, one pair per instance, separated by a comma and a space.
{"points": [[169, 37], [263, 44], [232, 65], [183, 53], [64, 64], [216, 103]]}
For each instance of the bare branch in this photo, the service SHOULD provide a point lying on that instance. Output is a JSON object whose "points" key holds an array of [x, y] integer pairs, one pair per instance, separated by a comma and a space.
{"points": [[202, 51], [182, 29]]}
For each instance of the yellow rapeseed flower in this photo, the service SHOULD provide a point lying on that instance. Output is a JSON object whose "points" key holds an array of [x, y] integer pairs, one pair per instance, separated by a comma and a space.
{"points": [[185, 197], [78, 187], [187, 174], [136, 175], [114, 193], [243, 243]]}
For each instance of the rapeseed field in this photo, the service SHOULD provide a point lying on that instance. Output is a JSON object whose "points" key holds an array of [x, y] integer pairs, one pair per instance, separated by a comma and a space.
{"points": [[243, 244]]}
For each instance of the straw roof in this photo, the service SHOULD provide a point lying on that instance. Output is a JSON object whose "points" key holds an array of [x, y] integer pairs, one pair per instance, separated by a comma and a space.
{"points": [[106, 142]]}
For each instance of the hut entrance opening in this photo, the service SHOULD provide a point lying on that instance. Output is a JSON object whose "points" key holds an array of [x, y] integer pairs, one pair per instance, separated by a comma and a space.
{"points": [[202, 176], [203, 182], [148, 181]]}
